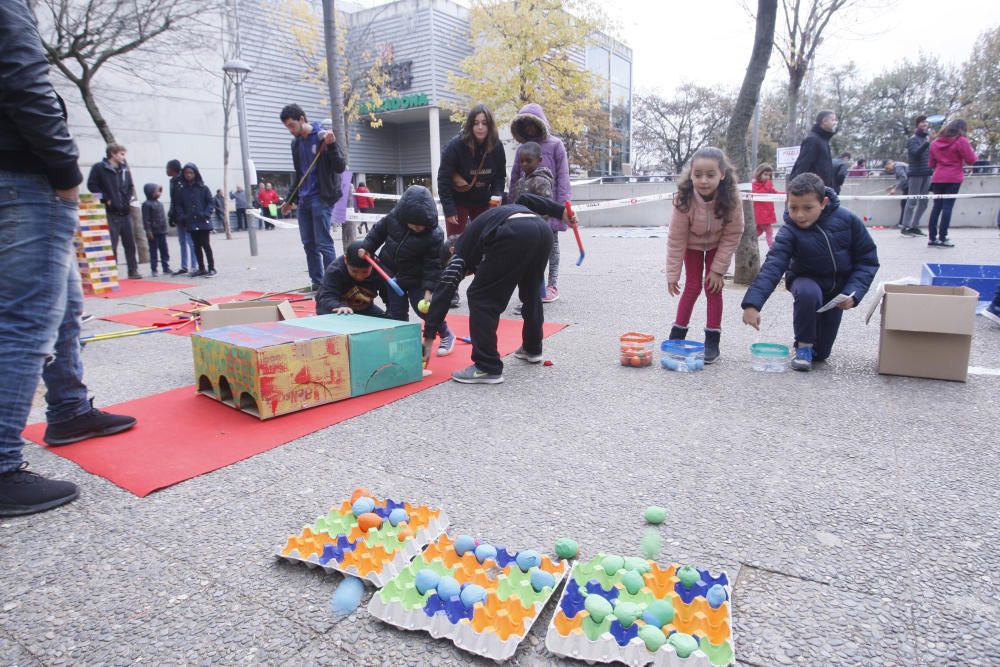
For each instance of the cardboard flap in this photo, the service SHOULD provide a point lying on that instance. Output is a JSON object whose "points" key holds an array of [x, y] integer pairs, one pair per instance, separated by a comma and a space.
{"points": [[932, 313], [245, 312]]}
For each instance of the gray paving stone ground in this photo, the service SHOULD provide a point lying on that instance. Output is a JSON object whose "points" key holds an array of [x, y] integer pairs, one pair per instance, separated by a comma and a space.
{"points": [[856, 512]]}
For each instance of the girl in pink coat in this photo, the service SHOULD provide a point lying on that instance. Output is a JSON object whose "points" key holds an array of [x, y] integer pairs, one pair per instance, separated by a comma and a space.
{"points": [[704, 232], [949, 153]]}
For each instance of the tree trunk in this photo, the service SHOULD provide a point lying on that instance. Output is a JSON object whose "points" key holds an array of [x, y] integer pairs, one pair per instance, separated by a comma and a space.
{"points": [[94, 110], [347, 230], [747, 255], [795, 79]]}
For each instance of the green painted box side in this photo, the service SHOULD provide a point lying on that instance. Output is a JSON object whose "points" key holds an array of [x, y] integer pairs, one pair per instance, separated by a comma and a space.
{"points": [[384, 353]]}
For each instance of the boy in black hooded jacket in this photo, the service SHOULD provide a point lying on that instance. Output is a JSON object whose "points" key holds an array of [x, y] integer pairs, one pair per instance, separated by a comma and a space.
{"points": [[154, 221], [411, 241]]}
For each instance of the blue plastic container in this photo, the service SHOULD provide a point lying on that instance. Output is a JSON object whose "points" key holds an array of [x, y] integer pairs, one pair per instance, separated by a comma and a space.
{"points": [[983, 278], [684, 356]]}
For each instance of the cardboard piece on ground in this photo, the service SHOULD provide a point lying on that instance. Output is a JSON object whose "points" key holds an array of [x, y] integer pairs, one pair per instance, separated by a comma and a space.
{"points": [[245, 312], [180, 435], [271, 369], [384, 353], [927, 331]]}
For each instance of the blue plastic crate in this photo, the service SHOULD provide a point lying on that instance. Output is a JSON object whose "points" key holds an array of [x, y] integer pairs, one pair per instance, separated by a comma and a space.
{"points": [[983, 278]]}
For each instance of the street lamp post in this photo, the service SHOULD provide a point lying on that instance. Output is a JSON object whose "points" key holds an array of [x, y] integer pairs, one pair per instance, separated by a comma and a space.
{"points": [[237, 71]]}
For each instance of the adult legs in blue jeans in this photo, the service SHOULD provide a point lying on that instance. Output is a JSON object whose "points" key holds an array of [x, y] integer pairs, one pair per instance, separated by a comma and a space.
{"points": [[40, 307], [942, 208], [812, 328], [187, 247], [314, 230], [398, 307]]}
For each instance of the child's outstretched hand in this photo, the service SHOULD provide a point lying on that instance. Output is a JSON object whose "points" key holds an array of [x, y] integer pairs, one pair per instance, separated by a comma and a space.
{"points": [[847, 305], [714, 282], [674, 288], [343, 310], [751, 316]]}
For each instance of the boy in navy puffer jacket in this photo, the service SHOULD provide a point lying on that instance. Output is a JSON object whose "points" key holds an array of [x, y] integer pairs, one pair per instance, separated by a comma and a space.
{"points": [[826, 252]]}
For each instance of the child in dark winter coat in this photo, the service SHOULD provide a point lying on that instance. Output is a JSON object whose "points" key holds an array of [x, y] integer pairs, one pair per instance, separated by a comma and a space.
{"points": [[411, 241], [350, 285], [194, 211], [538, 180], [154, 221], [827, 253]]}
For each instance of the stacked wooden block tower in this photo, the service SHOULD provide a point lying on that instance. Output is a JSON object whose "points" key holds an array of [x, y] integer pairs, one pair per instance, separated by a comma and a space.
{"points": [[94, 254]]}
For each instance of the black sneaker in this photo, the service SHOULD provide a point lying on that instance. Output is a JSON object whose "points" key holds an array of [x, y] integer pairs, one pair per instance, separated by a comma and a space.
{"points": [[179, 272], [456, 300], [88, 425], [945, 243], [909, 231], [209, 274], [197, 273], [87, 317], [24, 492], [916, 231], [135, 276]]}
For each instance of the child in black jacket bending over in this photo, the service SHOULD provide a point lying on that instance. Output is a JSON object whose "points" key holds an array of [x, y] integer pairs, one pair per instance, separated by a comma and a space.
{"points": [[411, 241], [506, 248], [350, 285]]}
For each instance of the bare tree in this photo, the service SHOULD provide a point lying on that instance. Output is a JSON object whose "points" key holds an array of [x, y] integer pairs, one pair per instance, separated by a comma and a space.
{"points": [[81, 37], [694, 117], [747, 256], [805, 21]]}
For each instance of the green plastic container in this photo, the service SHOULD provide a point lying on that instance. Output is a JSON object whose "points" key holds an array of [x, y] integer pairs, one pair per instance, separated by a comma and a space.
{"points": [[769, 357]]}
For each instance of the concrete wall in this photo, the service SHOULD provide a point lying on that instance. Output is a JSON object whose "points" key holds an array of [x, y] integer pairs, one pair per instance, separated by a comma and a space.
{"points": [[967, 213]]}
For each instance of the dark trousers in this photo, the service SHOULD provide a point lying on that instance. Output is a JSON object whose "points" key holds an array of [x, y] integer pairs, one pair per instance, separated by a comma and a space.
{"points": [[516, 259], [398, 307], [941, 208], [241, 218], [902, 210], [203, 248], [120, 226], [820, 329], [158, 252], [371, 311]]}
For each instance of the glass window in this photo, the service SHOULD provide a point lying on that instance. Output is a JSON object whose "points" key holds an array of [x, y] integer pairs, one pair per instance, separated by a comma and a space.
{"points": [[418, 179], [621, 72], [381, 183], [597, 60]]}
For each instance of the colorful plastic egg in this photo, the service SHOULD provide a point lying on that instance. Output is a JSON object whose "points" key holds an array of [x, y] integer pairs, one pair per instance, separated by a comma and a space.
{"points": [[363, 505], [368, 521], [398, 516], [426, 580], [464, 543]]}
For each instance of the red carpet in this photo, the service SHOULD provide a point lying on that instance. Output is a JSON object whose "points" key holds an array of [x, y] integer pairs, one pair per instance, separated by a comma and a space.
{"points": [[136, 287], [156, 316], [182, 434]]}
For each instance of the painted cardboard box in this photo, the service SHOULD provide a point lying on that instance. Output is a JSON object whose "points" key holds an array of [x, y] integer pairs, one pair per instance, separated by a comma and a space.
{"points": [[384, 353], [272, 368]]}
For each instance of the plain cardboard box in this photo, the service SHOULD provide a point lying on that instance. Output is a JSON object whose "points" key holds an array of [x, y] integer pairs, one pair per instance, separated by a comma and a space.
{"points": [[384, 353], [271, 368], [927, 331], [245, 312]]}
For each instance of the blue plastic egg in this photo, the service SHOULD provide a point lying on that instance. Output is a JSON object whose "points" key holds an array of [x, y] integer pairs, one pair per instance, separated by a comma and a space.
{"points": [[363, 506], [716, 595], [448, 588], [348, 595], [398, 515], [472, 594], [426, 580], [541, 579], [669, 363], [464, 543], [692, 363], [484, 552], [528, 559]]}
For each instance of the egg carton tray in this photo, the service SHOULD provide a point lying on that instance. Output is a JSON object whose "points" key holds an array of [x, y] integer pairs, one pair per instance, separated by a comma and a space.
{"points": [[618, 644], [492, 628], [379, 564]]}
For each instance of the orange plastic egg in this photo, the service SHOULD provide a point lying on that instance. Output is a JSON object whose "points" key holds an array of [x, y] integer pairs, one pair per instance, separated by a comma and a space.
{"points": [[624, 360], [368, 521], [636, 362], [360, 492], [405, 534]]}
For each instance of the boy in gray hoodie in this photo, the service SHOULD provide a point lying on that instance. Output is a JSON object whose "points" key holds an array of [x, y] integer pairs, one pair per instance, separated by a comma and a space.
{"points": [[154, 221]]}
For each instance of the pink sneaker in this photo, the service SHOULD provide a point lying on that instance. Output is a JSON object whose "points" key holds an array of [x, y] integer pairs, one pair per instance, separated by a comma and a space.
{"points": [[551, 294]]}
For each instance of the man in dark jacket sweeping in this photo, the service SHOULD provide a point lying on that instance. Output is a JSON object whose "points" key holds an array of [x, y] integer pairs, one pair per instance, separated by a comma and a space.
{"points": [[814, 154], [830, 260], [112, 179], [318, 162], [40, 297]]}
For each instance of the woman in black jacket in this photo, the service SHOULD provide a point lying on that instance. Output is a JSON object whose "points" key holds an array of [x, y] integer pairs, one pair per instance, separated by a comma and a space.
{"points": [[194, 211], [473, 169]]}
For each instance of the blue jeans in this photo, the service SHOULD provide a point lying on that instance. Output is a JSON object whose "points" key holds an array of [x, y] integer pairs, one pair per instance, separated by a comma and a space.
{"points": [[187, 246], [398, 307], [158, 251], [40, 308], [314, 230], [820, 329]]}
